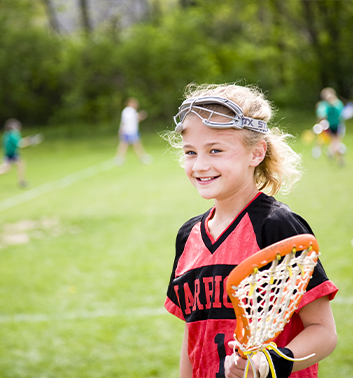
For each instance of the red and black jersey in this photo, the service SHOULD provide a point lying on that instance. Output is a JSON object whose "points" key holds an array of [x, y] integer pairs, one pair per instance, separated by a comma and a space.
{"points": [[197, 289]]}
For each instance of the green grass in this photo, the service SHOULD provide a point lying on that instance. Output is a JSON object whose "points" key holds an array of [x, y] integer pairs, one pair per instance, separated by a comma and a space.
{"points": [[83, 295]]}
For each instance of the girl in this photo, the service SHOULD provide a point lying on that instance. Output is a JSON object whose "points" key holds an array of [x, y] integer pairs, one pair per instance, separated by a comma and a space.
{"points": [[232, 157]]}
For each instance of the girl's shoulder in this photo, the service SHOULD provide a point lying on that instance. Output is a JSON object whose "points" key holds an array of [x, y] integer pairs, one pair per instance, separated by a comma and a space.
{"points": [[186, 228], [275, 221], [185, 231], [272, 208], [269, 207]]}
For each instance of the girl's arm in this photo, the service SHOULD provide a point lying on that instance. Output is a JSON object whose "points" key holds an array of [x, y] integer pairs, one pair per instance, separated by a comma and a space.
{"points": [[185, 365], [319, 335]]}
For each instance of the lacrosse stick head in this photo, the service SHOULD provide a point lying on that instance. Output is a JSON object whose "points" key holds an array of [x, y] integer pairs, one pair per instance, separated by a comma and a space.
{"points": [[266, 289]]}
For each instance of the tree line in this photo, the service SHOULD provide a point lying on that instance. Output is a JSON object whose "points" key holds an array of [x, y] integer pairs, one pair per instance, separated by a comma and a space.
{"points": [[291, 49]]}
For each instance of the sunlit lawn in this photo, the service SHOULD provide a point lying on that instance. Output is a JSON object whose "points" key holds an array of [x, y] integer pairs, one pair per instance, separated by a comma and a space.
{"points": [[84, 267]]}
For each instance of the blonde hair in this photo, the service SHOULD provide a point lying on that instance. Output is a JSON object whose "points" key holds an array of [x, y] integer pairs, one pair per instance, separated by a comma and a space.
{"points": [[281, 167]]}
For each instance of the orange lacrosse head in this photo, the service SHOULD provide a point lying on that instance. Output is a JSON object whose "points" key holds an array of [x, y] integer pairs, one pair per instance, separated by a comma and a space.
{"points": [[265, 297]]}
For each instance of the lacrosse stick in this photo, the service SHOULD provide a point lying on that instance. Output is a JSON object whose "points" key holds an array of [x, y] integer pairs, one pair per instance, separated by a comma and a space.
{"points": [[265, 299]]}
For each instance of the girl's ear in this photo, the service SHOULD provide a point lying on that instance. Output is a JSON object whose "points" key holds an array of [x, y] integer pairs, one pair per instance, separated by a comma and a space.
{"points": [[258, 153]]}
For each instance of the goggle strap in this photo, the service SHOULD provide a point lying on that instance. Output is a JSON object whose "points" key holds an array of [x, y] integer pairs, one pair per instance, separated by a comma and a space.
{"points": [[255, 125]]}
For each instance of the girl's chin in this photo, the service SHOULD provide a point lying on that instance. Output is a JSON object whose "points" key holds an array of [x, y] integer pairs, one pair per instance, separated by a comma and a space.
{"points": [[207, 196]]}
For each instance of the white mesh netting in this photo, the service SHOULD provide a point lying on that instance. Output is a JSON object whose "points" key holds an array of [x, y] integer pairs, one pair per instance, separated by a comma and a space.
{"points": [[269, 296]]}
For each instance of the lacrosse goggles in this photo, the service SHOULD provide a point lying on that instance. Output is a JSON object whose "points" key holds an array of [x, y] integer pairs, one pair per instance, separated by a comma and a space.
{"points": [[237, 121]]}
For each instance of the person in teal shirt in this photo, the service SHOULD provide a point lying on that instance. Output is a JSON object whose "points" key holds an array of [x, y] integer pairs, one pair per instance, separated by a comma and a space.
{"points": [[11, 143], [330, 109]]}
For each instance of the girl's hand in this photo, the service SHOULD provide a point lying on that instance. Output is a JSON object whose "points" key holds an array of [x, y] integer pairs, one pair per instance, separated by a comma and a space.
{"points": [[234, 365]]}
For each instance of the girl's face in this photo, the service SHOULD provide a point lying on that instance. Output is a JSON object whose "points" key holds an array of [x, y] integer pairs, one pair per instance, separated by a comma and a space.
{"points": [[217, 162]]}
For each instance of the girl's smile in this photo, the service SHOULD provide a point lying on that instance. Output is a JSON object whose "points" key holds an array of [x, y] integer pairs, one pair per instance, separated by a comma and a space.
{"points": [[206, 179]]}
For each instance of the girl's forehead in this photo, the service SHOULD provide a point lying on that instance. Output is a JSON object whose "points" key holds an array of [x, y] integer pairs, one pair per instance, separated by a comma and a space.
{"points": [[195, 128], [212, 137], [192, 117]]}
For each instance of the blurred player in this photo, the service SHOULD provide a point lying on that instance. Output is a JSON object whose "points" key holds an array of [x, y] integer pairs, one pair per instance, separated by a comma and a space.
{"points": [[129, 132], [330, 109], [12, 142]]}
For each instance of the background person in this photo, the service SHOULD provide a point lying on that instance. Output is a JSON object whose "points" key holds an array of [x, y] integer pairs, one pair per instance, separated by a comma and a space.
{"points": [[129, 132], [12, 142], [330, 109]]}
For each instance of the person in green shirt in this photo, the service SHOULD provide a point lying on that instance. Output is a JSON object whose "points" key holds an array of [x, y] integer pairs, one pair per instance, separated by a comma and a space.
{"points": [[11, 143], [330, 109]]}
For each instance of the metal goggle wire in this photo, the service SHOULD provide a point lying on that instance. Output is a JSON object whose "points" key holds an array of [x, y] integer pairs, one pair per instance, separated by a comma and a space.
{"points": [[236, 121]]}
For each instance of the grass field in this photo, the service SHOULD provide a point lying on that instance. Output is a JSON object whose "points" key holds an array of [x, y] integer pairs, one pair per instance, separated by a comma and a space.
{"points": [[86, 252]]}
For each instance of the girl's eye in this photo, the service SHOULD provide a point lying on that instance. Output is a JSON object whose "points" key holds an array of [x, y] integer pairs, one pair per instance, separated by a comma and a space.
{"points": [[190, 153], [215, 151]]}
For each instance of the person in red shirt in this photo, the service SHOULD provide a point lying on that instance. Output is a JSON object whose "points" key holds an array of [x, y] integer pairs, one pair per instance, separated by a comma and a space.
{"points": [[231, 156]]}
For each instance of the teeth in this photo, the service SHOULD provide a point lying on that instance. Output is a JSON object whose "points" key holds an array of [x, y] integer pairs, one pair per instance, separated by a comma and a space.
{"points": [[206, 179]]}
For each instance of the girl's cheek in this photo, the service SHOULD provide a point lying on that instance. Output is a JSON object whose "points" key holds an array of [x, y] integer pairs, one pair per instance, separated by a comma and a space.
{"points": [[188, 168]]}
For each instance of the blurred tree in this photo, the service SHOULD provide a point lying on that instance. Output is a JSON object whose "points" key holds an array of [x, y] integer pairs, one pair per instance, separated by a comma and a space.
{"points": [[85, 18], [92, 80], [187, 3], [53, 20], [290, 49], [160, 70], [323, 21], [30, 87]]}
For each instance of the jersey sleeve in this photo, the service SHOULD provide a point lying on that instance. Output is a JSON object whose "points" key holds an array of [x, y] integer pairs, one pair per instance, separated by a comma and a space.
{"points": [[284, 224], [172, 302]]}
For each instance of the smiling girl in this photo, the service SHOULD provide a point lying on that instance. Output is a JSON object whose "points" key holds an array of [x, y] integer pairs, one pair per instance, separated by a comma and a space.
{"points": [[231, 156]]}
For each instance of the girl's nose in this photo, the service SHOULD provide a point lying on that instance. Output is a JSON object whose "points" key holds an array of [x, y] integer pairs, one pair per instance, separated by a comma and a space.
{"points": [[201, 164]]}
